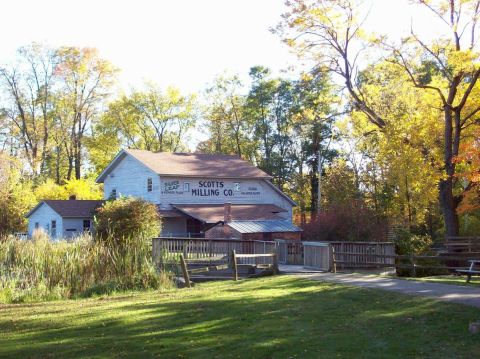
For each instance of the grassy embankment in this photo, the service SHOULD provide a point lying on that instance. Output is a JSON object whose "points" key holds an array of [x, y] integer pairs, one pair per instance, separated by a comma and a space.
{"points": [[275, 317]]}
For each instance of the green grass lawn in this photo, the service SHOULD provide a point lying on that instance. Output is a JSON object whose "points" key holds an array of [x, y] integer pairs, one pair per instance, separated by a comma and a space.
{"points": [[275, 317]]}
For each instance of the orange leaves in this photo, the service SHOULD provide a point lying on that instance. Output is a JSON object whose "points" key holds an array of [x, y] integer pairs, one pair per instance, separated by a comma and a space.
{"points": [[468, 169]]}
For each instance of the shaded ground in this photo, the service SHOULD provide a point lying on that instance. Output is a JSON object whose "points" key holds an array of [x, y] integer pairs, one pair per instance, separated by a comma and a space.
{"points": [[450, 279], [274, 317], [468, 295]]}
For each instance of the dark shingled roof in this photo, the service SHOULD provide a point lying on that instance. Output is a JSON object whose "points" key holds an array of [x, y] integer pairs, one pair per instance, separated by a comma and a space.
{"points": [[72, 208], [213, 213], [191, 165]]}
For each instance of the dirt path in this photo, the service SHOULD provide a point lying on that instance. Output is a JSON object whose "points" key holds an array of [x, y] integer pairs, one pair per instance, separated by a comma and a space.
{"points": [[444, 292]]}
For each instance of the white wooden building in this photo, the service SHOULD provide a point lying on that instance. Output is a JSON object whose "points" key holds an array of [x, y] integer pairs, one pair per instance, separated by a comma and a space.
{"points": [[191, 190], [194, 193], [63, 219]]}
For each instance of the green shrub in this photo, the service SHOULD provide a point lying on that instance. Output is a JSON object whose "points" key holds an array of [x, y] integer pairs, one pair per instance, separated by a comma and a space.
{"points": [[408, 243], [127, 217]]}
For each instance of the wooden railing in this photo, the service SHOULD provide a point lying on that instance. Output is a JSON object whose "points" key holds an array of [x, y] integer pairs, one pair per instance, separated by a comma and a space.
{"points": [[168, 250], [411, 262], [363, 254], [234, 264], [462, 244]]}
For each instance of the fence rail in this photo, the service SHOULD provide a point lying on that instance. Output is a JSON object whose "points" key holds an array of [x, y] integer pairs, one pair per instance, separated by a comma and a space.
{"points": [[167, 250], [363, 254], [414, 261]]}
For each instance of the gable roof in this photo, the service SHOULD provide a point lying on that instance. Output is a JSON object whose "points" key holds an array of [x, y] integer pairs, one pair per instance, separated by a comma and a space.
{"points": [[263, 226], [189, 165], [213, 213], [71, 208]]}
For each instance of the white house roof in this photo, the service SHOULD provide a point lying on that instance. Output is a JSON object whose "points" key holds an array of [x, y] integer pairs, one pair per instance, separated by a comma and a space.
{"points": [[189, 165]]}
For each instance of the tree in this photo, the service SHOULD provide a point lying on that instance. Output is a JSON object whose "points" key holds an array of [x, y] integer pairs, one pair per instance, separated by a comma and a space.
{"points": [[468, 163], [85, 81], [330, 31], [81, 189], [16, 197], [149, 119], [29, 85], [228, 125]]}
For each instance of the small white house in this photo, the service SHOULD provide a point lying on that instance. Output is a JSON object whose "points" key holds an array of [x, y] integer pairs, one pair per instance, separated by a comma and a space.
{"points": [[63, 219]]}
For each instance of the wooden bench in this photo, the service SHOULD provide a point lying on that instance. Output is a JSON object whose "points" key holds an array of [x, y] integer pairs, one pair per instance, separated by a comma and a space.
{"points": [[471, 271]]}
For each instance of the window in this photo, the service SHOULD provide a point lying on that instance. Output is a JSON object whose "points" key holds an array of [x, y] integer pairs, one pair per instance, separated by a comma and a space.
{"points": [[37, 225], [186, 187], [113, 193], [53, 231], [86, 225], [149, 185]]}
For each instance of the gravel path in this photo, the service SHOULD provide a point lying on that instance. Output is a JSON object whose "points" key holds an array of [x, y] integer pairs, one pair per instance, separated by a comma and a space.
{"points": [[444, 292]]}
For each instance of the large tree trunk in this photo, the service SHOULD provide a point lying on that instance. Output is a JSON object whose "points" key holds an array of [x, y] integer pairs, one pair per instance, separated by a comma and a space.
{"points": [[449, 207], [447, 200]]}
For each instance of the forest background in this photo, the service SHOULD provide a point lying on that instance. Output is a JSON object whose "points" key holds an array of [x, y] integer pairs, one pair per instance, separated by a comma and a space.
{"points": [[366, 133]]}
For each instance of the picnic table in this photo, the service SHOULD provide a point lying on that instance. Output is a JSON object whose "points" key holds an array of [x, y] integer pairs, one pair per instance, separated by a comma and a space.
{"points": [[474, 263]]}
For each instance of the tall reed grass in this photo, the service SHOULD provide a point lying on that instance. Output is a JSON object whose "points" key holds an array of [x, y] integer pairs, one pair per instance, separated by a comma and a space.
{"points": [[41, 269]]}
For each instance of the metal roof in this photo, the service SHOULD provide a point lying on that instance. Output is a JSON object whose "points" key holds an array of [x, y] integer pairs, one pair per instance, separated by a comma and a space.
{"points": [[263, 226], [213, 213]]}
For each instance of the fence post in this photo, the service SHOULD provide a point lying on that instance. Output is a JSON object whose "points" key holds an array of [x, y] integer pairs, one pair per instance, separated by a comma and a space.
{"points": [[234, 265], [275, 264], [185, 271], [334, 263], [412, 261]]}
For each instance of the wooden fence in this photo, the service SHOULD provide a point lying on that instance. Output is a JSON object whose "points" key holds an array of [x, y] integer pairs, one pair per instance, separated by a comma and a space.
{"points": [[168, 250], [462, 245], [317, 255], [410, 262], [357, 255], [235, 259], [289, 252]]}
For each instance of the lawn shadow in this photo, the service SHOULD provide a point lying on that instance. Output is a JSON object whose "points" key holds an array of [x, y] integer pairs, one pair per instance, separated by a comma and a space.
{"points": [[278, 317]]}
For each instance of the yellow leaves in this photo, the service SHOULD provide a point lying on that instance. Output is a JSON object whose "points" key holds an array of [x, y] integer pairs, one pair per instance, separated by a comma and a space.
{"points": [[81, 189]]}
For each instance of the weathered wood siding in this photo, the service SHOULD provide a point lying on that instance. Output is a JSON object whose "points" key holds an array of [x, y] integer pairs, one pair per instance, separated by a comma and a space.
{"points": [[129, 178], [44, 215]]}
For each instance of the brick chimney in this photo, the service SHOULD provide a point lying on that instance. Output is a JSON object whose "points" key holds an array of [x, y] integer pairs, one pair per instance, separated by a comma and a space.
{"points": [[227, 212], [227, 217]]}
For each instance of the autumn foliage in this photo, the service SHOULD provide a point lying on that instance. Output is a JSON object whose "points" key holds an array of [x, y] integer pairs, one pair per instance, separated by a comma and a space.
{"points": [[352, 221], [469, 172]]}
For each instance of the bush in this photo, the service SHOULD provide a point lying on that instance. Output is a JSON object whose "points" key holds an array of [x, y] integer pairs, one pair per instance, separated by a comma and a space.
{"points": [[346, 222], [127, 217], [408, 243]]}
